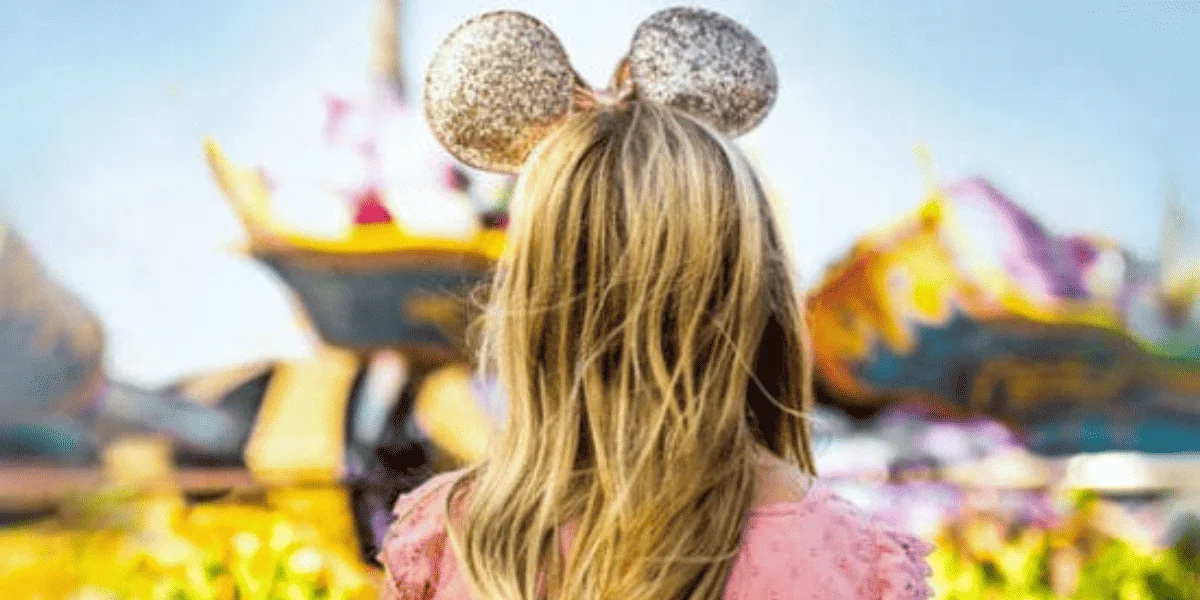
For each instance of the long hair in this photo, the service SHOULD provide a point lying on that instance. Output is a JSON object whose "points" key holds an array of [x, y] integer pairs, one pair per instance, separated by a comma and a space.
{"points": [[648, 332]]}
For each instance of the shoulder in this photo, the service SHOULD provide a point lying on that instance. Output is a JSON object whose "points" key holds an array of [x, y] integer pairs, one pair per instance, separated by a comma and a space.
{"points": [[415, 543], [839, 546], [426, 501], [895, 559]]}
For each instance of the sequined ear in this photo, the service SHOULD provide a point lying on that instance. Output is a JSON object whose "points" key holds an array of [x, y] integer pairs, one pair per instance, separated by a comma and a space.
{"points": [[496, 86], [706, 64]]}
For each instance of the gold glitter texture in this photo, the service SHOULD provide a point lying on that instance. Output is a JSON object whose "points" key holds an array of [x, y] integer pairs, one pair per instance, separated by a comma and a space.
{"points": [[705, 64], [502, 81], [495, 87]]}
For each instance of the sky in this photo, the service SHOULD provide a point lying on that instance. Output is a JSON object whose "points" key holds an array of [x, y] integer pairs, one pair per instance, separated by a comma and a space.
{"points": [[1079, 110]]}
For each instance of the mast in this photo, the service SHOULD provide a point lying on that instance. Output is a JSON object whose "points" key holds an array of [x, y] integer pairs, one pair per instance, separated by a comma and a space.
{"points": [[1179, 270], [387, 52], [1173, 222]]}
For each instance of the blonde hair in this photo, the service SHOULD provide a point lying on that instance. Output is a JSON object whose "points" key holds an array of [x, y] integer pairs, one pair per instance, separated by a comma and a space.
{"points": [[648, 332]]}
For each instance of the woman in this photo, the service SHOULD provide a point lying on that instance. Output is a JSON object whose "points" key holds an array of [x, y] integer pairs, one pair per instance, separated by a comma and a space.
{"points": [[649, 335]]}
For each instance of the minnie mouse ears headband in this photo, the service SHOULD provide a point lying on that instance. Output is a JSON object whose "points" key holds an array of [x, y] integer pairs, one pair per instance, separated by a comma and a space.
{"points": [[501, 82]]}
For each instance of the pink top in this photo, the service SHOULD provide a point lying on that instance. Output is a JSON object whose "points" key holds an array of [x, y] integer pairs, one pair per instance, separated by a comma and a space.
{"points": [[820, 547]]}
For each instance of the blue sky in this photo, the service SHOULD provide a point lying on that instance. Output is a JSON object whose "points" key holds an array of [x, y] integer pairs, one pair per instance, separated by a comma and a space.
{"points": [[1078, 109]]}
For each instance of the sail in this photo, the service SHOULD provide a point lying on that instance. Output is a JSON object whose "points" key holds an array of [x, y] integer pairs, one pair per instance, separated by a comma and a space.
{"points": [[51, 345], [1179, 257], [387, 53]]}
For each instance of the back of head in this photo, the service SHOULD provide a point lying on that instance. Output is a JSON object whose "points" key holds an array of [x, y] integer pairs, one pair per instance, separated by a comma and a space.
{"points": [[649, 336]]}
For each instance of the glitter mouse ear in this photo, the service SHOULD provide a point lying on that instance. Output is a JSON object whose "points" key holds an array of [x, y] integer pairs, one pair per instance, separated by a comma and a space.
{"points": [[501, 82], [705, 64], [496, 87]]}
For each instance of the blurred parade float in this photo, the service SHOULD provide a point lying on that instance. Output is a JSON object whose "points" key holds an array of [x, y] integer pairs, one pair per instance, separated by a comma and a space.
{"points": [[973, 307], [1029, 400], [389, 396], [270, 480]]}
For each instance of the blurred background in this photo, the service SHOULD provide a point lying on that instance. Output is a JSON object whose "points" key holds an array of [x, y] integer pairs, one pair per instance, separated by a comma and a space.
{"points": [[235, 270]]}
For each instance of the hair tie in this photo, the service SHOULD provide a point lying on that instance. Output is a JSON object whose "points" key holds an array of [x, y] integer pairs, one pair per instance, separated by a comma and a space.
{"points": [[617, 94]]}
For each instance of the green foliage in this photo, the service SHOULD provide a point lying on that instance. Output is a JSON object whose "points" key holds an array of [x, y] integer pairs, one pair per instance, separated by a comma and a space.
{"points": [[982, 557], [116, 546]]}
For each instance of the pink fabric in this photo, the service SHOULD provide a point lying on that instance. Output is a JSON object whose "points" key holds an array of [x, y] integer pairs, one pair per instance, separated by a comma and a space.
{"points": [[821, 547]]}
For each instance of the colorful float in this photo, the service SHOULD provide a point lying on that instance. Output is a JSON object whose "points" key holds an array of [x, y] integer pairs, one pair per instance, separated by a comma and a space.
{"points": [[388, 396], [385, 399], [972, 307]]}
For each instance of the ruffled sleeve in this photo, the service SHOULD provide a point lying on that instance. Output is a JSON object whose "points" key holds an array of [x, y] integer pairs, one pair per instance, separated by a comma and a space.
{"points": [[902, 570], [416, 542]]}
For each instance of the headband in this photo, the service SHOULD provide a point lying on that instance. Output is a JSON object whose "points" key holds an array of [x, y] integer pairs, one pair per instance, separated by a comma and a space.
{"points": [[501, 82]]}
